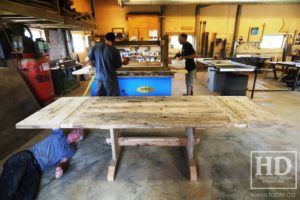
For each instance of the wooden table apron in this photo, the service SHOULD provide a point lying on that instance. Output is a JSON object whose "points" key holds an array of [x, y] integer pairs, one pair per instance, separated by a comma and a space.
{"points": [[116, 113]]}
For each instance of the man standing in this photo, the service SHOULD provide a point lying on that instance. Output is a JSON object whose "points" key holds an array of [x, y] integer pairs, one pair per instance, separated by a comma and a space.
{"points": [[188, 53], [21, 174], [107, 60]]}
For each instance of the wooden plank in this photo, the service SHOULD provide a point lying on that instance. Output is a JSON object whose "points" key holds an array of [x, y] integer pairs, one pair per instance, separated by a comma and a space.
{"points": [[145, 73], [152, 112], [189, 132], [114, 143], [27, 10], [253, 114], [148, 120], [156, 110], [134, 43], [52, 115], [112, 169], [153, 141], [16, 103], [193, 170]]}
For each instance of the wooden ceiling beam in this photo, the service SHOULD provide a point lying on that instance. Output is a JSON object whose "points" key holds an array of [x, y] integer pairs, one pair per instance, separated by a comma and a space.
{"points": [[26, 10], [22, 13]]}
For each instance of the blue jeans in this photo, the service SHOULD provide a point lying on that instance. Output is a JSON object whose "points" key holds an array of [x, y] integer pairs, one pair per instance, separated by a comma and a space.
{"points": [[107, 88], [20, 178]]}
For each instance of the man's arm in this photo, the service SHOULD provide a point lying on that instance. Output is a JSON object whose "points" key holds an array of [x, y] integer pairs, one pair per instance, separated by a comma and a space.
{"points": [[61, 167], [90, 59], [119, 60]]}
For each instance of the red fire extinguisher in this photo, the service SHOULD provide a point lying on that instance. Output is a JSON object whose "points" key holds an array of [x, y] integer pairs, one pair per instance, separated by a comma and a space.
{"points": [[34, 64], [37, 74]]}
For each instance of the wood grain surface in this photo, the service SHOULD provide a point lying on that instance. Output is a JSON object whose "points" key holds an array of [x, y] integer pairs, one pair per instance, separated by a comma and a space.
{"points": [[152, 112], [52, 115]]}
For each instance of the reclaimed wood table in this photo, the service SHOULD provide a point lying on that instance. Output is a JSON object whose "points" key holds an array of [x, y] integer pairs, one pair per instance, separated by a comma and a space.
{"points": [[116, 113]]}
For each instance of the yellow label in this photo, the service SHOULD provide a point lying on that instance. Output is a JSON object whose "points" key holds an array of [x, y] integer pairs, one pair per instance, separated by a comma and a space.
{"points": [[145, 89]]}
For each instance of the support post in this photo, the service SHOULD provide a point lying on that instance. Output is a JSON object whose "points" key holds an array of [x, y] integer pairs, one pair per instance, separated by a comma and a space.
{"points": [[296, 79], [236, 29], [165, 50], [273, 66], [114, 135], [254, 83], [190, 152]]}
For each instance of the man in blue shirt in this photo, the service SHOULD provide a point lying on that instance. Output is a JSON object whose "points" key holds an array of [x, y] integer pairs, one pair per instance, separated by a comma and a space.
{"points": [[107, 60], [21, 174]]}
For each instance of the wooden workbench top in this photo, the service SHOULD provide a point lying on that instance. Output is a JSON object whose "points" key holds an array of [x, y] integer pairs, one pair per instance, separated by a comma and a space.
{"points": [[131, 71], [151, 112]]}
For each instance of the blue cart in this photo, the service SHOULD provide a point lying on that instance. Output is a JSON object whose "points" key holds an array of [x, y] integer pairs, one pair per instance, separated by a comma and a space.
{"points": [[143, 83]]}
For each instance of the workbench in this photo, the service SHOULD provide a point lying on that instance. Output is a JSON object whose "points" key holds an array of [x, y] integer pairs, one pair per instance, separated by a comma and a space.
{"points": [[228, 66], [287, 65], [63, 79], [138, 80], [117, 113]]}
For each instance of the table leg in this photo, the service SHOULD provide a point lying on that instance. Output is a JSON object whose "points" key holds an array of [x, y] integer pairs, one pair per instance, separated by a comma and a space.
{"points": [[190, 152], [112, 169], [274, 71], [254, 83], [296, 79]]}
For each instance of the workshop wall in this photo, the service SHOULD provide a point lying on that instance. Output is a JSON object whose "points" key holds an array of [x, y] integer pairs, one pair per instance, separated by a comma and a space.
{"points": [[278, 19], [178, 19], [220, 19], [82, 5], [110, 15]]}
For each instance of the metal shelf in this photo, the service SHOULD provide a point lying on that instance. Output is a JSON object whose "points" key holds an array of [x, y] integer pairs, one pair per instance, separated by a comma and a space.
{"points": [[137, 43]]}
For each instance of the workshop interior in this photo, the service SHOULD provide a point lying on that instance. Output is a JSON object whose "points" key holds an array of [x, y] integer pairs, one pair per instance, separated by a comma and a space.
{"points": [[171, 99]]}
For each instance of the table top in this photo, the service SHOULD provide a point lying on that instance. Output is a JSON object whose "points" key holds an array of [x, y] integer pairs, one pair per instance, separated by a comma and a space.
{"points": [[230, 66], [131, 71], [151, 112], [287, 63]]}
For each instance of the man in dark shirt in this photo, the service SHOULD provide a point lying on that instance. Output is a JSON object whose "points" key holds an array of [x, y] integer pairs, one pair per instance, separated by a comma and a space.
{"points": [[188, 53], [107, 60]]}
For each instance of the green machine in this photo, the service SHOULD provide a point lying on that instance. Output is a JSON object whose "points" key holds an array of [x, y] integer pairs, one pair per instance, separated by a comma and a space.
{"points": [[63, 79]]}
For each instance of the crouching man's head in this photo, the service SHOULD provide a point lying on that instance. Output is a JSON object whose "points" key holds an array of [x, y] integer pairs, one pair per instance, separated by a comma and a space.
{"points": [[75, 136]]}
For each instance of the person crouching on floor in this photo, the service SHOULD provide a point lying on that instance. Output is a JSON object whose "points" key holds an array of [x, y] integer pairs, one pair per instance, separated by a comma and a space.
{"points": [[22, 172]]}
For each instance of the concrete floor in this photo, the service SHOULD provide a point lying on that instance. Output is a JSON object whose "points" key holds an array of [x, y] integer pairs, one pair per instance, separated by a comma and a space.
{"points": [[222, 157]]}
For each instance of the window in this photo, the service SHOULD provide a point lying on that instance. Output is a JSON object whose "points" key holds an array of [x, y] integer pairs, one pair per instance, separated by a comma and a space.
{"points": [[36, 33], [78, 42], [272, 42], [175, 44]]}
